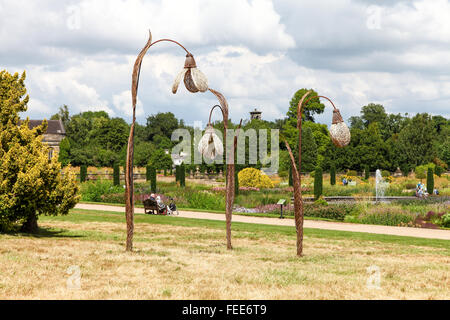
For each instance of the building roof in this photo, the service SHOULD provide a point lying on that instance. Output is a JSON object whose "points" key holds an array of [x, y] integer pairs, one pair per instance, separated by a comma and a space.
{"points": [[54, 126], [256, 111]]}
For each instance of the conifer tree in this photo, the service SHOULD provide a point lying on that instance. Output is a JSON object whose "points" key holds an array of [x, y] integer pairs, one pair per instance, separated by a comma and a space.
{"points": [[318, 182], [333, 175], [83, 173], [182, 175], [31, 183], [151, 174], [116, 175], [430, 180]]}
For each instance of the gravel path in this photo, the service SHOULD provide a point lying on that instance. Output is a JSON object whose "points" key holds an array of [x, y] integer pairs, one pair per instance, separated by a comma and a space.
{"points": [[314, 224]]}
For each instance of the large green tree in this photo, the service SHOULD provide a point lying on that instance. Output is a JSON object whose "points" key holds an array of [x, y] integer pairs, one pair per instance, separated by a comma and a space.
{"points": [[366, 148], [416, 141], [96, 139], [31, 184], [64, 152], [373, 113], [312, 107], [160, 160], [371, 150], [161, 124], [309, 147], [62, 115], [143, 151]]}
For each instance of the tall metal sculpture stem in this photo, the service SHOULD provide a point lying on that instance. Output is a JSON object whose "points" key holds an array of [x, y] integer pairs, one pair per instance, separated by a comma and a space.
{"points": [[230, 182], [129, 184], [296, 170], [129, 177]]}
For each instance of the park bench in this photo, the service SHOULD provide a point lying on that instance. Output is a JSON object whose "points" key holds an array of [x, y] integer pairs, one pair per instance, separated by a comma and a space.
{"points": [[151, 206]]}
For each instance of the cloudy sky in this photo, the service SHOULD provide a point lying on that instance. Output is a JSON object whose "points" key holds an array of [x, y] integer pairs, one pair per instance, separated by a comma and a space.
{"points": [[256, 52]]}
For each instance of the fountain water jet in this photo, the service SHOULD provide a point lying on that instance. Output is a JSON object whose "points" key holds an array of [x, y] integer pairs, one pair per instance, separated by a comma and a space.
{"points": [[380, 185]]}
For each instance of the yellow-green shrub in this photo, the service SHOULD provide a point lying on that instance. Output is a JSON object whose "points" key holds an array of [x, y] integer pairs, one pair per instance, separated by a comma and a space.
{"points": [[31, 184], [251, 177]]}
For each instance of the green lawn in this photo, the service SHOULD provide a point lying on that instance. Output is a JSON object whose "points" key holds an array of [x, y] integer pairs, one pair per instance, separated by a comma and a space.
{"points": [[260, 230]]}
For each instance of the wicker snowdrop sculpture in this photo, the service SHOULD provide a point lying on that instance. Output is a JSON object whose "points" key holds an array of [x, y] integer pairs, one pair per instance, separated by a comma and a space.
{"points": [[210, 145], [339, 132], [340, 135], [194, 79]]}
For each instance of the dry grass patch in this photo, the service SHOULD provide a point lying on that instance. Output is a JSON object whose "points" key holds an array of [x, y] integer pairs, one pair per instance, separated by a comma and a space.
{"points": [[181, 262]]}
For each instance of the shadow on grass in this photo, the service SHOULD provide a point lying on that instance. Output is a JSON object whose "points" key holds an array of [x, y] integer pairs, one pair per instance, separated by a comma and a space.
{"points": [[44, 233]]}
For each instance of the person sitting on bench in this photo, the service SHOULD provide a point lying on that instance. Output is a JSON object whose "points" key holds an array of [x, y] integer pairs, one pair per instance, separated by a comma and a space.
{"points": [[161, 205]]}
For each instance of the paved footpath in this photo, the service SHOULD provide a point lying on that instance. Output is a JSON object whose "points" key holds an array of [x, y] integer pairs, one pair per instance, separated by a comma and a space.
{"points": [[314, 224]]}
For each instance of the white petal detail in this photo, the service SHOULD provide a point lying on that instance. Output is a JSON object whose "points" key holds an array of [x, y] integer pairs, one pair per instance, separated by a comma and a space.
{"points": [[340, 134], [200, 80], [210, 145], [178, 79]]}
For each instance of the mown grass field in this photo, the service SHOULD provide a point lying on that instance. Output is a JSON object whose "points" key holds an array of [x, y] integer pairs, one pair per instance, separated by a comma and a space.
{"points": [[179, 258], [199, 197]]}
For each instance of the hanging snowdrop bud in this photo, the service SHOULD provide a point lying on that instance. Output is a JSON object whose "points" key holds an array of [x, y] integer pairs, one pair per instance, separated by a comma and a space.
{"points": [[194, 79], [339, 132], [210, 145]]}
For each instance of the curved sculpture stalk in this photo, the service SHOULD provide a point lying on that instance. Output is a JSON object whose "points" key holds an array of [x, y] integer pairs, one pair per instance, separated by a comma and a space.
{"points": [[202, 82], [230, 192], [340, 138], [297, 179], [129, 184]]}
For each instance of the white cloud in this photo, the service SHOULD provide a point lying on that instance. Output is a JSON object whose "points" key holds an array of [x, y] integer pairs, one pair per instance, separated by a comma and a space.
{"points": [[256, 52], [65, 87], [120, 26], [37, 106], [122, 102]]}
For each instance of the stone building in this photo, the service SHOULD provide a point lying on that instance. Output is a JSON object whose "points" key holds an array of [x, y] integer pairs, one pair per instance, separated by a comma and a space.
{"points": [[256, 115], [53, 136]]}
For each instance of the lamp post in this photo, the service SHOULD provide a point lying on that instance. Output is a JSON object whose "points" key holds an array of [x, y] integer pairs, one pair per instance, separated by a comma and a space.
{"points": [[210, 147], [194, 81], [340, 135]]}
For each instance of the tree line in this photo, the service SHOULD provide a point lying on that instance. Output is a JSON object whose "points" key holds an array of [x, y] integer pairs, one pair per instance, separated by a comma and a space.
{"points": [[380, 140]]}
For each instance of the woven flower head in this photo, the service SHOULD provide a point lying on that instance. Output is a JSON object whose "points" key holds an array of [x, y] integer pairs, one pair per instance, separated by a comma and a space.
{"points": [[194, 79], [339, 132], [210, 145]]}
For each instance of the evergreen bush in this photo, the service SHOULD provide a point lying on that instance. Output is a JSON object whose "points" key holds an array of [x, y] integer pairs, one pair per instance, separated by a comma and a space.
{"points": [[116, 175], [318, 183], [182, 175], [366, 172], [291, 179], [333, 175], [151, 173], [430, 180], [83, 173]]}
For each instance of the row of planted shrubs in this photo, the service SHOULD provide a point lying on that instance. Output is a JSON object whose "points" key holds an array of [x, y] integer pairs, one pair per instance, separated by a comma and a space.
{"points": [[405, 212], [196, 197], [426, 214], [333, 212]]}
